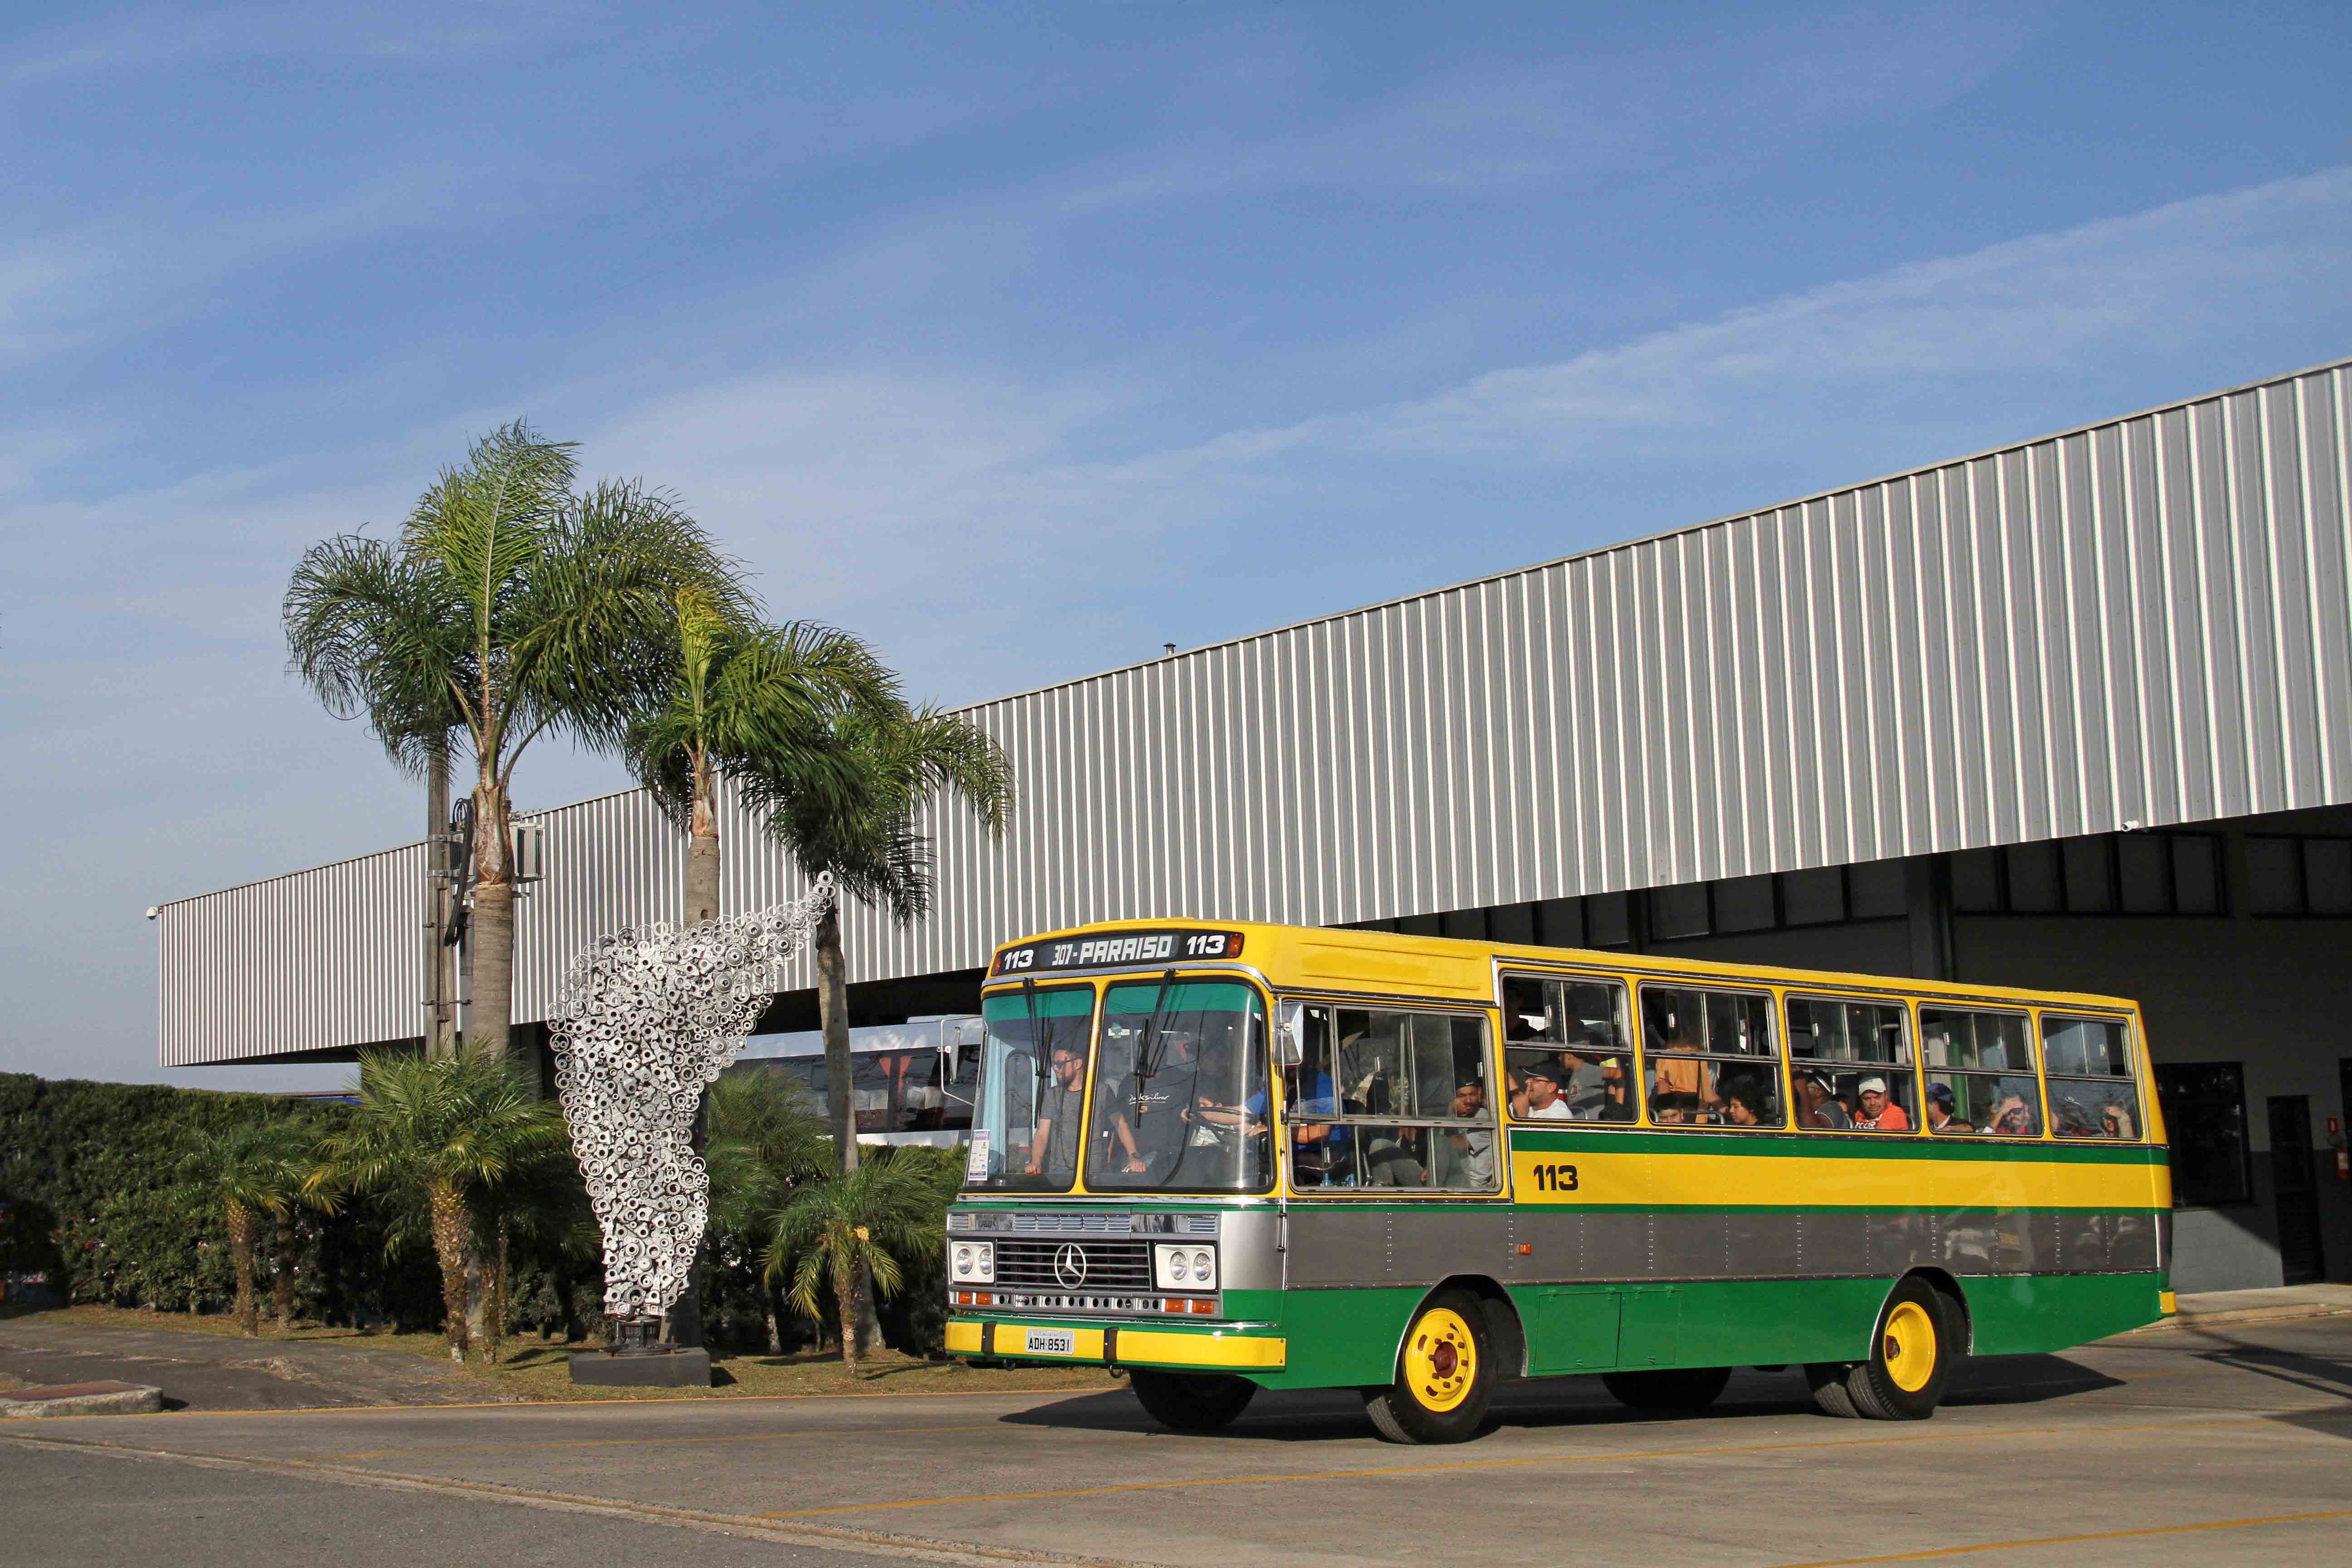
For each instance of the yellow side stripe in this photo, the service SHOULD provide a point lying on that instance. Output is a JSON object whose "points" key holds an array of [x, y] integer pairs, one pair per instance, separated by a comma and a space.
{"points": [[1605, 1178]]}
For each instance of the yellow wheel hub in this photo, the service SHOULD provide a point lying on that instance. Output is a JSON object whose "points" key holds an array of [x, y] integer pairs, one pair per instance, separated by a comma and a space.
{"points": [[1441, 1359], [1910, 1346]]}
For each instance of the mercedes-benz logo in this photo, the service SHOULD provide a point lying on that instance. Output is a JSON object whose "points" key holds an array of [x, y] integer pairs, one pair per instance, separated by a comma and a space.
{"points": [[1070, 1265]]}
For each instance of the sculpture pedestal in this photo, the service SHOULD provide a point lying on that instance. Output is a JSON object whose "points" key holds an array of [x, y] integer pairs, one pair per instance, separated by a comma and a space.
{"points": [[665, 1367]]}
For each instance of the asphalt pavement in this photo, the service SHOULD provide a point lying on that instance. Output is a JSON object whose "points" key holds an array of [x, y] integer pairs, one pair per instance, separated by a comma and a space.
{"points": [[2225, 1444]]}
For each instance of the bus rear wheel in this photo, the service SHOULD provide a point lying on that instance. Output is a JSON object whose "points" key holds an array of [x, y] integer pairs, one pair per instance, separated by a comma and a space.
{"points": [[1681, 1388], [1910, 1359], [1444, 1376], [1190, 1400]]}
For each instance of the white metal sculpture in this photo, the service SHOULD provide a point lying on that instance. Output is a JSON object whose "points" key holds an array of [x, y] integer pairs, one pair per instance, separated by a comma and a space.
{"points": [[649, 1018]]}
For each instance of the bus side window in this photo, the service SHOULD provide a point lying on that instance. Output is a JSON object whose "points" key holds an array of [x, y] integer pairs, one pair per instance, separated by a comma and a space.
{"points": [[2091, 1093], [1982, 1078], [1570, 1054]]}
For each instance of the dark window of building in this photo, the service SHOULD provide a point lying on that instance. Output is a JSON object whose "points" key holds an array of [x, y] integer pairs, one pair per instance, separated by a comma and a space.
{"points": [[2111, 873], [1976, 883], [2033, 885], [1467, 925], [1813, 897], [1608, 921], [2090, 876], [2195, 873], [2205, 1119], [2328, 876], [1512, 922], [1561, 922], [2144, 874], [1678, 911], [2274, 876], [1745, 903], [2300, 876], [1874, 890]]}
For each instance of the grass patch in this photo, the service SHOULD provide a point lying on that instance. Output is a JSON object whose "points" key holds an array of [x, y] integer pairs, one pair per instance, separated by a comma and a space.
{"points": [[537, 1369]]}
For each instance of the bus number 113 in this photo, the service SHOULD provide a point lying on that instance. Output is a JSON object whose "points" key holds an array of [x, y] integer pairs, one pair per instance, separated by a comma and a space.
{"points": [[1555, 1178]]}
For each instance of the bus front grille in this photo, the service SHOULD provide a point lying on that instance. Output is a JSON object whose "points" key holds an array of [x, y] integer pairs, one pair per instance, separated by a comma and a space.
{"points": [[1071, 1265]]}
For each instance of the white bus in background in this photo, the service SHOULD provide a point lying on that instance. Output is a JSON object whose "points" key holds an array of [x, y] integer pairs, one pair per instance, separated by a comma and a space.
{"points": [[910, 1082]]}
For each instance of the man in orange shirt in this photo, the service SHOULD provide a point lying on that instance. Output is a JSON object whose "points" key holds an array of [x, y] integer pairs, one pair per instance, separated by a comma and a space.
{"points": [[1876, 1113]]}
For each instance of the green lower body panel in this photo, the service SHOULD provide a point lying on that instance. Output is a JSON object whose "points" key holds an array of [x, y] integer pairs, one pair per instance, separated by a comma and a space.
{"points": [[1349, 1337]]}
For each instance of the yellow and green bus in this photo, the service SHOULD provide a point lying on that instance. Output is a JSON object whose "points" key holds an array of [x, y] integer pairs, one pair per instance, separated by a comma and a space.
{"points": [[1232, 1157]]}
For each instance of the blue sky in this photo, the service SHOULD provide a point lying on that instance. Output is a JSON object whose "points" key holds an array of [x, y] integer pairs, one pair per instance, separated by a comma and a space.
{"points": [[1023, 338]]}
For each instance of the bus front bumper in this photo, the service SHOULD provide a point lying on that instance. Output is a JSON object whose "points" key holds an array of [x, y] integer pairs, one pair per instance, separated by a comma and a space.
{"points": [[1118, 1344]]}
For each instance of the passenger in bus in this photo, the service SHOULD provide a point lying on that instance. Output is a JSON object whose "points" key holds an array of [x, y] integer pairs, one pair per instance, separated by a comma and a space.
{"points": [[1675, 1066], [1473, 1161], [1226, 1132], [1539, 1099], [1940, 1116], [1054, 1150], [1875, 1113], [1322, 1153], [1747, 1104], [2070, 1118], [1594, 1080], [1817, 1104], [2117, 1121], [2013, 1117], [1676, 1109]]}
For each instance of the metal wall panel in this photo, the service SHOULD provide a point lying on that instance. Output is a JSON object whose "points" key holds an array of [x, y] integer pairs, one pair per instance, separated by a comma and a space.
{"points": [[325, 958], [2145, 620]]}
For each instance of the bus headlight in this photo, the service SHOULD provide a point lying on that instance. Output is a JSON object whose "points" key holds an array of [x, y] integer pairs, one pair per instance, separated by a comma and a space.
{"points": [[1184, 1269], [974, 1262]]}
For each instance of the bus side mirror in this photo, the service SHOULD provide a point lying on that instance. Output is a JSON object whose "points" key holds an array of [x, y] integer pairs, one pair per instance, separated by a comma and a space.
{"points": [[1290, 1033]]}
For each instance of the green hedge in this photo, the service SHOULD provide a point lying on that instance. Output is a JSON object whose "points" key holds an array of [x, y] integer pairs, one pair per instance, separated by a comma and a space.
{"points": [[97, 1166]]}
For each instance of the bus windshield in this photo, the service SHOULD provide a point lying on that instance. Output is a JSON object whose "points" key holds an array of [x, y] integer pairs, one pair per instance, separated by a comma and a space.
{"points": [[1025, 1129], [1180, 1090]]}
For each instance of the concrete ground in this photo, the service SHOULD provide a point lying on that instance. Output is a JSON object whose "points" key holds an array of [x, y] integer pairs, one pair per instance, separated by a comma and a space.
{"points": [[2216, 1443], [224, 1371]]}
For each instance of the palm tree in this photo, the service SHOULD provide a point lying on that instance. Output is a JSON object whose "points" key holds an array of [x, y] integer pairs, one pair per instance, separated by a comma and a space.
{"points": [[849, 1228], [446, 1133], [740, 695], [510, 606], [252, 1171], [861, 821], [765, 1141]]}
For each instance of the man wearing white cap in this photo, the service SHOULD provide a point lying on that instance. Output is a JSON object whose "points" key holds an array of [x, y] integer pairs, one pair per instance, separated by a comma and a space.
{"points": [[1875, 1112]]}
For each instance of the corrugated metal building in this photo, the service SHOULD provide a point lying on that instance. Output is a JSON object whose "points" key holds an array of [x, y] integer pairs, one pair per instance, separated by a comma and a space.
{"points": [[2040, 714]]}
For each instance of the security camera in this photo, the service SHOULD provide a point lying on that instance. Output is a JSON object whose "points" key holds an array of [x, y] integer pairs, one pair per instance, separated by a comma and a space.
{"points": [[154, 909]]}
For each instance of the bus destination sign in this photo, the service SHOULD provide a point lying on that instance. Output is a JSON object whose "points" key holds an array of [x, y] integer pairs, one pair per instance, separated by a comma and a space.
{"points": [[1123, 947]]}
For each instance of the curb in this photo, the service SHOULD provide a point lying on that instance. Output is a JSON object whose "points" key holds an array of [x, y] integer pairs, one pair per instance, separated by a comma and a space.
{"points": [[126, 1399], [2233, 1319]]}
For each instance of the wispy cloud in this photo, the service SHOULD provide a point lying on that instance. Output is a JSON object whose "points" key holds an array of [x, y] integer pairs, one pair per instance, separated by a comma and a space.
{"points": [[2028, 306]]}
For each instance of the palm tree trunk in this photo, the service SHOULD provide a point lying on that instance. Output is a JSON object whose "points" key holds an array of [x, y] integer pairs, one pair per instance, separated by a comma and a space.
{"points": [[702, 853], [775, 1325], [844, 1292], [449, 1227], [241, 1258], [440, 1007], [685, 1317], [281, 1277], [490, 930], [833, 1015]]}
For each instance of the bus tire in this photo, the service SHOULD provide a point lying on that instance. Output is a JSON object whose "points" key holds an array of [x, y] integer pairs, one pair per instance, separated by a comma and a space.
{"points": [[1445, 1374], [1680, 1388], [1190, 1400], [1911, 1355]]}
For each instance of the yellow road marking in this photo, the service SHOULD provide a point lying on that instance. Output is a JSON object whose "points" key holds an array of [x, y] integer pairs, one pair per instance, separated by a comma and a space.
{"points": [[660, 1442], [2075, 1540], [1606, 1458]]}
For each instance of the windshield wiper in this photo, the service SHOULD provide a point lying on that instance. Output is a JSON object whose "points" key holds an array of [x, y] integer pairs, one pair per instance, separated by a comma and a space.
{"points": [[1151, 1049]]}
